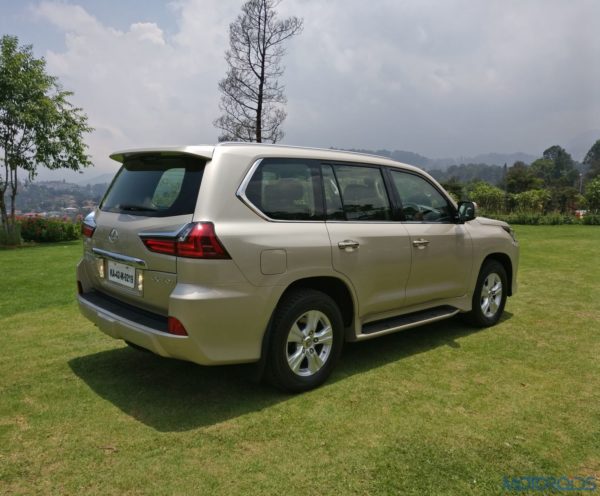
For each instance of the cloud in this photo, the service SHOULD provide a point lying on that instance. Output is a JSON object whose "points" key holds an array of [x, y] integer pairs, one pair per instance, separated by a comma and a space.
{"points": [[138, 87], [440, 78]]}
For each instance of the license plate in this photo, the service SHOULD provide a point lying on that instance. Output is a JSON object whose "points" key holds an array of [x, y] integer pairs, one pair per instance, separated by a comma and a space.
{"points": [[121, 274]]}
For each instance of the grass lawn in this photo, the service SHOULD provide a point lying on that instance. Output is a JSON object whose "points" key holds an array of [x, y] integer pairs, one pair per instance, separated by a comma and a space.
{"points": [[442, 409]]}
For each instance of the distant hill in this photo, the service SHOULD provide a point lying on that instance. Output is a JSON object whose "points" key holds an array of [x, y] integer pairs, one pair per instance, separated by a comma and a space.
{"points": [[443, 163], [101, 179], [399, 155]]}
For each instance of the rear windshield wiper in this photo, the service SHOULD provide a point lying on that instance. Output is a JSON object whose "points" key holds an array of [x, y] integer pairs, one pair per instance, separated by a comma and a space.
{"points": [[136, 208]]}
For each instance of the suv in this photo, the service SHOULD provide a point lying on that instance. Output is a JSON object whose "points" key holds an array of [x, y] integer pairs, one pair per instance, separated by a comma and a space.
{"points": [[241, 253]]}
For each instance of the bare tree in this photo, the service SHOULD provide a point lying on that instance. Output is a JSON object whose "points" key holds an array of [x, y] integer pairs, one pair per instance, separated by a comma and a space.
{"points": [[252, 97]]}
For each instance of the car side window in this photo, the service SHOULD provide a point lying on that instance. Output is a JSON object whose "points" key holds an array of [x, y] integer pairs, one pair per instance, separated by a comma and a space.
{"points": [[363, 193], [421, 201], [286, 189]]}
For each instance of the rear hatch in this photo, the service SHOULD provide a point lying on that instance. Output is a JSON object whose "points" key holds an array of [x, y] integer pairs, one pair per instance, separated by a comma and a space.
{"points": [[153, 194]]}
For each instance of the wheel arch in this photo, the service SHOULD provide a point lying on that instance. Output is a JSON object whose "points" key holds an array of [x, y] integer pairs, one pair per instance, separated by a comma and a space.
{"points": [[334, 287], [506, 262]]}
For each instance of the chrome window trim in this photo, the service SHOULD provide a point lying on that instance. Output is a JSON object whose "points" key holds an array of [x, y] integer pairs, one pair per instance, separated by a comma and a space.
{"points": [[241, 194], [117, 257]]}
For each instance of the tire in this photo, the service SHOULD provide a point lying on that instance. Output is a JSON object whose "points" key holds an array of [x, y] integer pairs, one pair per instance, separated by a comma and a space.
{"points": [[307, 334], [489, 296]]}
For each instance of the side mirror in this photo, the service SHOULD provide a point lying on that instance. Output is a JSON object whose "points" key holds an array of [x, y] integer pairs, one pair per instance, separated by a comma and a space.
{"points": [[467, 211]]}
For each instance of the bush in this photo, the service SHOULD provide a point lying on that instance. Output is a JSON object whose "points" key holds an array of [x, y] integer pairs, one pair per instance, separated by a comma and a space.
{"points": [[42, 230], [488, 197], [591, 219], [534, 219]]}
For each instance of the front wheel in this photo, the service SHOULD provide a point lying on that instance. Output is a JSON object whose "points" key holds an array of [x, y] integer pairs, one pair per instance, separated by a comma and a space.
{"points": [[306, 341], [489, 296]]}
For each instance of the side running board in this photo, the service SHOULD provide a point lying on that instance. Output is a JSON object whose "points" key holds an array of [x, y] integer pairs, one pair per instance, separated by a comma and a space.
{"points": [[407, 321]]}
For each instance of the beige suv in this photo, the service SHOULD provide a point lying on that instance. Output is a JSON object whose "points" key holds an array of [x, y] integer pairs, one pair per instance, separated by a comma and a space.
{"points": [[241, 253]]}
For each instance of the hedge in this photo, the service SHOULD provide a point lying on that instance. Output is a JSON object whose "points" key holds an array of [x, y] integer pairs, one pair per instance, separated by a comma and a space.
{"points": [[43, 230]]}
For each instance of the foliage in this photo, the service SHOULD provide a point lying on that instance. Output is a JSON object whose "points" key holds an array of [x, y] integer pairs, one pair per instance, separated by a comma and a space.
{"points": [[252, 97], [592, 160], [591, 220], [11, 236], [42, 230], [535, 219], [38, 124], [520, 178], [592, 195], [466, 173], [533, 201], [556, 168], [455, 188], [564, 199], [488, 198]]}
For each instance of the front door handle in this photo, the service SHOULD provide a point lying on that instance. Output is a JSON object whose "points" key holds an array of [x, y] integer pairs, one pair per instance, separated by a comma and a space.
{"points": [[348, 244], [420, 243]]}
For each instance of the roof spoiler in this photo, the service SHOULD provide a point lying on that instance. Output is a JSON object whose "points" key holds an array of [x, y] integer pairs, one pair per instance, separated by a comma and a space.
{"points": [[204, 151]]}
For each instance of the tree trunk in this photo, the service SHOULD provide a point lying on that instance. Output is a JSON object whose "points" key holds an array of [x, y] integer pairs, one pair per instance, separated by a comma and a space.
{"points": [[13, 196], [261, 80], [3, 187], [3, 214]]}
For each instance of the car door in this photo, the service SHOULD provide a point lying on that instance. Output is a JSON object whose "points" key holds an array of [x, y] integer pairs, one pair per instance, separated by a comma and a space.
{"points": [[368, 247], [441, 247]]}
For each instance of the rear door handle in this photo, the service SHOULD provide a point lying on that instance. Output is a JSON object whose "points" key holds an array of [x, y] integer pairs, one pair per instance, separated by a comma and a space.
{"points": [[420, 243], [348, 244]]}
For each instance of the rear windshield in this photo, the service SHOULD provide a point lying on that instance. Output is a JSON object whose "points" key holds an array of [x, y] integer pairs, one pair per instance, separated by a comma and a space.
{"points": [[155, 186]]}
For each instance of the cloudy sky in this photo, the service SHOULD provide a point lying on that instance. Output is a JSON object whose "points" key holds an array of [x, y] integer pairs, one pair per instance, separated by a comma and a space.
{"points": [[444, 78]]}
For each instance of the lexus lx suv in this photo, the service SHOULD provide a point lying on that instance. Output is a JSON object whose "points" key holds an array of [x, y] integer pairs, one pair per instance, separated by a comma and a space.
{"points": [[240, 253]]}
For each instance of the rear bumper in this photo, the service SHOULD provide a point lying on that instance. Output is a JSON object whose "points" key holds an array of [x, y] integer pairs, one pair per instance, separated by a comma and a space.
{"points": [[223, 326], [142, 329]]}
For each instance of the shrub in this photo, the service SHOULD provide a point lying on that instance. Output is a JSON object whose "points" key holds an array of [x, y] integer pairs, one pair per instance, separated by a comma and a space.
{"points": [[533, 200], [533, 219], [592, 195], [488, 197], [591, 219], [42, 230]]}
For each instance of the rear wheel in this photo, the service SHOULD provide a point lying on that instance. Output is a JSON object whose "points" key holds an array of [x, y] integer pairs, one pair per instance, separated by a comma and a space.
{"points": [[306, 341], [489, 296]]}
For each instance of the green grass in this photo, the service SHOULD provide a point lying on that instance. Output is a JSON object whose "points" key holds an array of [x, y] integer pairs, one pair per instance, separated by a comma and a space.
{"points": [[442, 409]]}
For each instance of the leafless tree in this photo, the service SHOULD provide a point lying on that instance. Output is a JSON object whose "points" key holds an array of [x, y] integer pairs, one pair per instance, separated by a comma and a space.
{"points": [[252, 97]]}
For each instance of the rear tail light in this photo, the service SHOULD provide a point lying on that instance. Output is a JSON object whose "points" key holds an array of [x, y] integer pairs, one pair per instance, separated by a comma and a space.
{"points": [[88, 226], [176, 327], [196, 240], [87, 230]]}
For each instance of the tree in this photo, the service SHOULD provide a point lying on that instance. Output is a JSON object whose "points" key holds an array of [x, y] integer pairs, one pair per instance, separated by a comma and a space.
{"points": [[520, 178], [252, 97], [592, 160], [454, 187], [38, 124], [556, 168], [592, 195]]}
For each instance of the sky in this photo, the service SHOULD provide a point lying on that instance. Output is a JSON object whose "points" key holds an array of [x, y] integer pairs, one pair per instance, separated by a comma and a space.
{"points": [[450, 78]]}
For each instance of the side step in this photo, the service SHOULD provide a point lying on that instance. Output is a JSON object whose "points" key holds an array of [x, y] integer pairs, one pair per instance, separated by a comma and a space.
{"points": [[408, 320]]}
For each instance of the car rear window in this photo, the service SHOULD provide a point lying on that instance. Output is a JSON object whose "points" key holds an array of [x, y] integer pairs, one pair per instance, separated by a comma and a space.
{"points": [[155, 186]]}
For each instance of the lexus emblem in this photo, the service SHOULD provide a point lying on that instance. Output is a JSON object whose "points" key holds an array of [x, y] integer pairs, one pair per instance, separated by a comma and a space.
{"points": [[113, 236]]}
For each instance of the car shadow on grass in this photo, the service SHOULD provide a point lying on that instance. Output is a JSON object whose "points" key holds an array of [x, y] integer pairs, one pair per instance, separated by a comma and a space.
{"points": [[171, 395]]}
